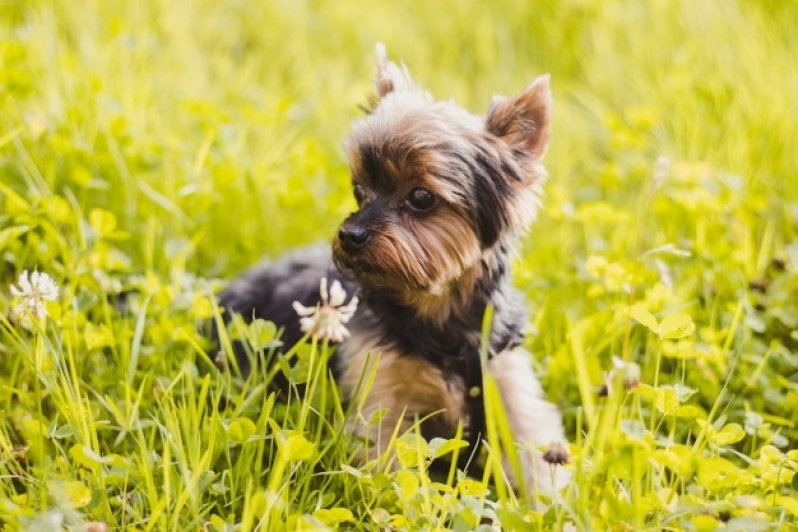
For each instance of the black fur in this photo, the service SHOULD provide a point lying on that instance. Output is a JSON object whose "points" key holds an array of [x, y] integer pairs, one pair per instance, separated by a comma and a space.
{"points": [[268, 290], [493, 192], [371, 158]]}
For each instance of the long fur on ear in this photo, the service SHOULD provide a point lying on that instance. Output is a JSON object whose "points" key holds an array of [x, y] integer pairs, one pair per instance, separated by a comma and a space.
{"points": [[524, 120], [390, 77]]}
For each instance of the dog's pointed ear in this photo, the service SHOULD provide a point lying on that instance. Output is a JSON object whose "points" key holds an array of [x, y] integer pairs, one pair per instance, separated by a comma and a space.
{"points": [[390, 77], [524, 120]]}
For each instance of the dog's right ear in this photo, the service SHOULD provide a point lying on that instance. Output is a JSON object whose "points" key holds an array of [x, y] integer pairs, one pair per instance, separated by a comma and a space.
{"points": [[391, 77]]}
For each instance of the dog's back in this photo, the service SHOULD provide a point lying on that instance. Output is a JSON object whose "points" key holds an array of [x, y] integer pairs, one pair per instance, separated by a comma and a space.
{"points": [[269, 289]]}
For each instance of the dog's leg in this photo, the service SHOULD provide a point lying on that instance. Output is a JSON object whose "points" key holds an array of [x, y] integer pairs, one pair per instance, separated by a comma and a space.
{"points": [[534, 422], [406, 388]]}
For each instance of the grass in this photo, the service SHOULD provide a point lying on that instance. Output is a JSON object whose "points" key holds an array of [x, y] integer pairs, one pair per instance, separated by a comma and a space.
{"points": [[151, 150]]}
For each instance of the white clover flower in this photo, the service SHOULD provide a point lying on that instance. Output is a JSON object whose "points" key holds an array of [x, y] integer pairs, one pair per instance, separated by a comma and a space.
{"points": [[326, 320], [34, 292]]}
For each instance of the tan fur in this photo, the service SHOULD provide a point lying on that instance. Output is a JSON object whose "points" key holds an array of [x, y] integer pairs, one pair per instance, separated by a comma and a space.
{"points": [[440, 306], [535, 423], [390, 76], [435, 261], [525, 119], [399, 256], [407, 387]]}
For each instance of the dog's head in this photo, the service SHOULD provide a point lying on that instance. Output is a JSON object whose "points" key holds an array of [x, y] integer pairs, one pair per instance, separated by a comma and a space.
{"points": [[440, 191]]}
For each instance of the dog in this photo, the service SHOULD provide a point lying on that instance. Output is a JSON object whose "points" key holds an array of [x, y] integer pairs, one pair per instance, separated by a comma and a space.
{"points": [[443, 196]]}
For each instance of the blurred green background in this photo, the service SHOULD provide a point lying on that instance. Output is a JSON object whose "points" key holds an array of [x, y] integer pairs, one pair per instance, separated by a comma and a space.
{"points": [[195, 136], [217, 124], [151, 150]]}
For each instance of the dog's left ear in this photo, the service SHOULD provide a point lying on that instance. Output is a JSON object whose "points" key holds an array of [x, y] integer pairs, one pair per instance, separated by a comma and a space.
{"points": [[524, 120], [391, 77]]}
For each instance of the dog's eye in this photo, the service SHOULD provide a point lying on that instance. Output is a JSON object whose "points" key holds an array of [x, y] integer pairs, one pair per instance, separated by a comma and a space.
{"points": [[421, 199], [358, 192]]}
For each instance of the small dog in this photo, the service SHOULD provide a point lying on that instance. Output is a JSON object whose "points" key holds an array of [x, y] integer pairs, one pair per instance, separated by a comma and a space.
{"points": [[442, 196]]}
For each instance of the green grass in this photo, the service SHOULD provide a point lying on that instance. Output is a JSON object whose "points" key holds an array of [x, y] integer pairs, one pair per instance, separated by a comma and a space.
{"points": [[151, 150]]}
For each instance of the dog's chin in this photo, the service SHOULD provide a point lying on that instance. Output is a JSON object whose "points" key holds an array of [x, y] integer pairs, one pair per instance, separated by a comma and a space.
{"points": [[353, 264], [370, 272]]}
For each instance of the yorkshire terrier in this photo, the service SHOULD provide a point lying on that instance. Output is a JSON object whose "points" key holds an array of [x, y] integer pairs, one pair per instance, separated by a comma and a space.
{"points": [[443, 197]]}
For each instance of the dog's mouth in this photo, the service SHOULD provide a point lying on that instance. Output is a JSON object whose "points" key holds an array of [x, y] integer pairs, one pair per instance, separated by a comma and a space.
{"points": [[345, 261], [354, 263], [369, 271]]}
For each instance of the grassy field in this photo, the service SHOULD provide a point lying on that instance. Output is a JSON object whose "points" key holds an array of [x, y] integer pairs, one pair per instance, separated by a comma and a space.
{"points": [[151, 150]]}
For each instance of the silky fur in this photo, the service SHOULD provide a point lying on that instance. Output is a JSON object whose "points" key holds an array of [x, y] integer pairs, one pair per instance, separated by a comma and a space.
{"points": [[425, 277]]}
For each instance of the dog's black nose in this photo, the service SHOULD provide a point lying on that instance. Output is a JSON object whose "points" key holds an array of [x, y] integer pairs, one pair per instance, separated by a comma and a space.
{"points": [[353, 237]]}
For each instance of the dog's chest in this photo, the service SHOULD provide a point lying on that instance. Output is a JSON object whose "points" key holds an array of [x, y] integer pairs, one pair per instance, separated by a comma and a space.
{"points": [[398, 377]]}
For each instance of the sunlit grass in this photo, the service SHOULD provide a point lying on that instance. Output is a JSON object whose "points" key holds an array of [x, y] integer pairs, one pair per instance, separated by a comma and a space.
{"points": [[150, 150]]}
